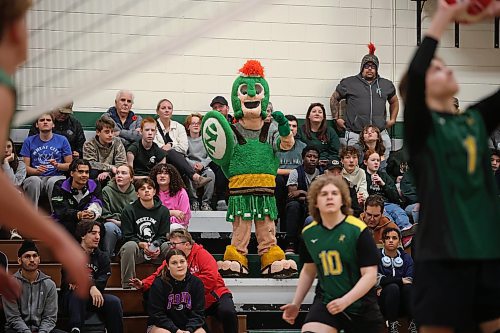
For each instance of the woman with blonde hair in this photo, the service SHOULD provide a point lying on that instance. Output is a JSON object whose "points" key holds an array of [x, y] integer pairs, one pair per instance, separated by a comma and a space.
{"points": [[338, 249]]}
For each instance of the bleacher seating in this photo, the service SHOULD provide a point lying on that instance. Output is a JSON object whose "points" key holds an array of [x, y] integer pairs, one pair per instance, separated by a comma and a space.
{"points": [[256, 298]]}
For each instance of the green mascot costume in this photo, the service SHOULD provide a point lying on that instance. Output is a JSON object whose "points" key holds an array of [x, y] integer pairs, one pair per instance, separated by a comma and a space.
{"points": [[246, 152]]}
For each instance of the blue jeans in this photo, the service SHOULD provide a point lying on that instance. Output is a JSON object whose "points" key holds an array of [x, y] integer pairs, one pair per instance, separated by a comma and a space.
{"points": [[410, 211], [112, 235], [397, 214]]}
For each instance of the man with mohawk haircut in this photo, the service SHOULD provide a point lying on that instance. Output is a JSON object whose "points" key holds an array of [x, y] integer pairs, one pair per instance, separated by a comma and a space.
{"points": [[246, 152], [366, 95]]}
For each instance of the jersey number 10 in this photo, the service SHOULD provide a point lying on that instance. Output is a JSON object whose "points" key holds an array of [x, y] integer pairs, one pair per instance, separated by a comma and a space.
{"points": [[330, 260]]}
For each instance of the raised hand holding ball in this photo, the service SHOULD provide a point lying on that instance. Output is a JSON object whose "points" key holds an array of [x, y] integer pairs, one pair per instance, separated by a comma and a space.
{"points": [[476, 10]]}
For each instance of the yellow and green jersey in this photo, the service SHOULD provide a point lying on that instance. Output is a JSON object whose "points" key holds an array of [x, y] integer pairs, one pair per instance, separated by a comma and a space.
{"points": [[449, 156], [339, 253]]}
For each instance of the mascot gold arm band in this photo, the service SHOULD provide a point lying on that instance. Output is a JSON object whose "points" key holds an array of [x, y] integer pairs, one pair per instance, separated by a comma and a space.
{"points": [[246, 152]]}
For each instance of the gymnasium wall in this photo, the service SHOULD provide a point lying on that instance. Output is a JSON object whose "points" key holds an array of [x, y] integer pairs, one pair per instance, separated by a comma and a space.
{"points": [[306, 47]]}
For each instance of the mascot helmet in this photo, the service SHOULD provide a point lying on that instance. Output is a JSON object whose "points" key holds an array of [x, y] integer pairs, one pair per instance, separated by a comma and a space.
{"points": [[250, 92]]}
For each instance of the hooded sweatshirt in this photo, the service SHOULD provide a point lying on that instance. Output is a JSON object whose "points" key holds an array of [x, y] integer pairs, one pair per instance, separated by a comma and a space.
{"points": [[202, 265], [140, 224], [114, 200], [366, 102], [383, 224], [102, 157], [177, 305], [36, 309], [358, 179]]}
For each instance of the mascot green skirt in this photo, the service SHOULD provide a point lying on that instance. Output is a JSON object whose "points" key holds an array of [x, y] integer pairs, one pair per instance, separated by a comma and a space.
{"points": [[246, 152]]}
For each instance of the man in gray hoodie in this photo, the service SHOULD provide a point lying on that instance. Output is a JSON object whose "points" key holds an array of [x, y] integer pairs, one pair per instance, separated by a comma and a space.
{"points": [[36, 309], [366, 95]]}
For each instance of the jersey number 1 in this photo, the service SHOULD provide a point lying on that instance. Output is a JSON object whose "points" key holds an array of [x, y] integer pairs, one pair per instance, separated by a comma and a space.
{"points": [[471, 147], [330, 260]]}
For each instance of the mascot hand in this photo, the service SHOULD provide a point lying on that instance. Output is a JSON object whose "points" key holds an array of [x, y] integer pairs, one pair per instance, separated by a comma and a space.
{"points": [[283, 126]]}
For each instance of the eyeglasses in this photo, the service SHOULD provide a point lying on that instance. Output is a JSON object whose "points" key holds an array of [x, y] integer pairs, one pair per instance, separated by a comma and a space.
{"points": [[174, 244], [369, 66]]}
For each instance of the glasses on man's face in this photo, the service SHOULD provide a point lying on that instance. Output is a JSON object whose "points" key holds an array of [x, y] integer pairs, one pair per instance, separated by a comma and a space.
{"points": [[174, 244], [369, 66]]}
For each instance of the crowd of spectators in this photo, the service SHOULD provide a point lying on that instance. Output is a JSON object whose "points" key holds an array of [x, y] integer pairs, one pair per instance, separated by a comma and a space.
{"points": [[142, 177]]}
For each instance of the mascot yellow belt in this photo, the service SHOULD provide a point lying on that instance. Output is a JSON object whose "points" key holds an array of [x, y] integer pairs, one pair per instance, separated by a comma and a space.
{"points": [[246, 152]]}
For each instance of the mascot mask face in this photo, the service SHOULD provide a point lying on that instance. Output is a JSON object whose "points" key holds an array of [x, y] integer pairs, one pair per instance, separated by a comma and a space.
{"points": [[250, 92]]}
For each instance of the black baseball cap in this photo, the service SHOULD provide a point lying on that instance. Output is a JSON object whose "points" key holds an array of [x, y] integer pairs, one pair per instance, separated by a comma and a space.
{"points": [[27, 245], [335, 163], [220, 100]]}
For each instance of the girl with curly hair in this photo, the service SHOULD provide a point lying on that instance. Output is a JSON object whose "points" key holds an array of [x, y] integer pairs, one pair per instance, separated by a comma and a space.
{"points": [[172, 193]]}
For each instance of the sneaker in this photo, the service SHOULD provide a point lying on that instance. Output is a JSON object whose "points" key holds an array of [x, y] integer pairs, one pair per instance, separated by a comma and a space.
{"points": [[15, 235], [394, 326], [201, 182], [409, 231], [206, 207], [290, 249], [221, 205], [407, 241], [412, 328], [195, 206]]}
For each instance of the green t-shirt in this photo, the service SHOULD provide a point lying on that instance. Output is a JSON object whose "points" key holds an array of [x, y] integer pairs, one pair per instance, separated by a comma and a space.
{"points": [[339, 253]]}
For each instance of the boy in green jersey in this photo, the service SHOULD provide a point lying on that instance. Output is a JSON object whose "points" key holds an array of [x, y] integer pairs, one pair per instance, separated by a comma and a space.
{"points": [[19, 213], [458, 255], [338, 249]]}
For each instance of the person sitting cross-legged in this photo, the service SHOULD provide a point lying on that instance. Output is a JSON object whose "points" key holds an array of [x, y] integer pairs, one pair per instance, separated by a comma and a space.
{"points": [[109, 306], [198, 158], [395, 281], [145, 224], [36, 309]]}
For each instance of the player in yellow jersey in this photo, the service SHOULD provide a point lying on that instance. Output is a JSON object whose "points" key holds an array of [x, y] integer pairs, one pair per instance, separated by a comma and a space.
{"points": [[338, 249]]}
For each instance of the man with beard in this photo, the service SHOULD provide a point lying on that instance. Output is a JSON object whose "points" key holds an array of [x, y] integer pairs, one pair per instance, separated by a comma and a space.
{"points": [[374, 217], [36, 309], [366, 95]]}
